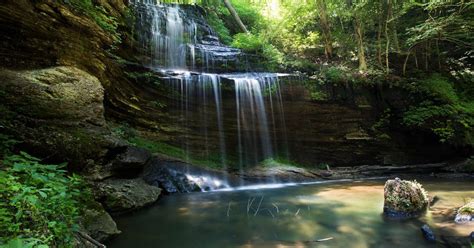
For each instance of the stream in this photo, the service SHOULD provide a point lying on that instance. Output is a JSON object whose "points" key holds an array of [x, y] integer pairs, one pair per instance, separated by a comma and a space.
{"points": [[349, 212]]}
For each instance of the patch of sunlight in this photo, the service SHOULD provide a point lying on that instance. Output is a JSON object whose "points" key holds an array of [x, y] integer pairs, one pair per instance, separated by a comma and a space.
{"points": [[272, 10]]}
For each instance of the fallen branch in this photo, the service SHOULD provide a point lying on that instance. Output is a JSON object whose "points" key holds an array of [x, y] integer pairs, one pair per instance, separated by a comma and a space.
{"points": [[249, 204], [270, 211], [326, 239], [91, 240], [228, 209], [258, 208], [276, 207], [297, 212]]}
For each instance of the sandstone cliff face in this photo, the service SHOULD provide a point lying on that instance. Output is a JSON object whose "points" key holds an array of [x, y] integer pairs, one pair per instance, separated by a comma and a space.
{"points": [[55, 112], [55, 68]]}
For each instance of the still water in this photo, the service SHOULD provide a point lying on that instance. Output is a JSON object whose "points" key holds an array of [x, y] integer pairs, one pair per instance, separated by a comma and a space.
{"points": [[349, 213]]}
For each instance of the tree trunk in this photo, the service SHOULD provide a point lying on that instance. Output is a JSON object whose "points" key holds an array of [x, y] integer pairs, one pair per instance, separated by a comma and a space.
{"points": [[387, 45], [360, 43], [379, 37], [324, 22], [234, 13]]}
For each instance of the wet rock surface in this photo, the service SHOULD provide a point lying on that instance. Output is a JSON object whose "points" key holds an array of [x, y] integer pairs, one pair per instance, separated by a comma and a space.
{"points": [[465, 214], [428, 233]]}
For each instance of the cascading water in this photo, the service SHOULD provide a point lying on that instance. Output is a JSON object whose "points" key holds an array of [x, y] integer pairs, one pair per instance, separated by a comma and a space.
{"points": [[171, 39], [239, 115]]}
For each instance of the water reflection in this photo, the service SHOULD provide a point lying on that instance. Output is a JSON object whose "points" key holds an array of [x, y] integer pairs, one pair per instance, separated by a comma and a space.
{"points": [[350, 213]]}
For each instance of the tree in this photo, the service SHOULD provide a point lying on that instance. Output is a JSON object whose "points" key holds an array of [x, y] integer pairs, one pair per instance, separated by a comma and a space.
{"points": [[326, 30], [234, 13]]}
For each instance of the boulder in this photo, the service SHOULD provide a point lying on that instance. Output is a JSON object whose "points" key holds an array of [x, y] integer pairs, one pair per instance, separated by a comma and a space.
{"points": [[98, 224], [404, 199], [124, 195], [465, 214], [130, 161], [56, 112], [428, 233]]}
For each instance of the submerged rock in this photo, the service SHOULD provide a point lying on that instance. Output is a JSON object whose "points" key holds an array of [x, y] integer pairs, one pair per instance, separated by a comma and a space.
{"points": [[123, 195], [465, 214], [428, 233], [404, 199]]}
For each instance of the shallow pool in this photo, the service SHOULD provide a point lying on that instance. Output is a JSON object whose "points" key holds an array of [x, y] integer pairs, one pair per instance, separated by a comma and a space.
{"points": [[349, 214]]}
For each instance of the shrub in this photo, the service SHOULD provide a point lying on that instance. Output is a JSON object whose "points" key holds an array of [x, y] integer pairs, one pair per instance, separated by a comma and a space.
{"points": [[219, 27], [254, 44], [39, 203], [446, 114]]}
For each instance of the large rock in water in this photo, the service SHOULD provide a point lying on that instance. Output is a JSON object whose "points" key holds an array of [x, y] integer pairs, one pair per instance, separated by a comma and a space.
{"points": [[403, 199], [465, 213], [169, 175]]}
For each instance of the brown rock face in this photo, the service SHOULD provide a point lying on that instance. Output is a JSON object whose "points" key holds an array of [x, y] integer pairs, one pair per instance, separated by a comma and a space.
{"points": [[56, 111]]}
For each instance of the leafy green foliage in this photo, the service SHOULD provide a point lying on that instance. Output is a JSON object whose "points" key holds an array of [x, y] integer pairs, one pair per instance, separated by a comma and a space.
{"points": [[444, 112], [257, 45], [98, 14], [39, 203], [6, 142], [219, 27]]}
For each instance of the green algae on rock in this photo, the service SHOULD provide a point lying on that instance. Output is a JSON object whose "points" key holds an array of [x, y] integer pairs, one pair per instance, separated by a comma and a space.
{"points": [[465, 213], [404, 198]]}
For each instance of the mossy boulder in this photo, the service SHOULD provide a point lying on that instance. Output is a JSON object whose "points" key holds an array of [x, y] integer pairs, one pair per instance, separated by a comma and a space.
{"points": [[465, 213], [403, 199], [98, 224], [55, 112]]}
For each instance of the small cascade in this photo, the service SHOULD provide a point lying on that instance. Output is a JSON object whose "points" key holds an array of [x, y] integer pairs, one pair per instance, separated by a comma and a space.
{"points": [[174, 38]]}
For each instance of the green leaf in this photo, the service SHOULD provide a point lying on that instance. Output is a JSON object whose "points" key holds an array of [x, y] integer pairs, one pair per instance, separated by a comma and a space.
{"points": [[42, 194]]}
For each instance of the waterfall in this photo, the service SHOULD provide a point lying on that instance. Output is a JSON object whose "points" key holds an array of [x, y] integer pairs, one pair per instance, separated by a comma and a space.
{"points": [[239, 116], [172, 40]]}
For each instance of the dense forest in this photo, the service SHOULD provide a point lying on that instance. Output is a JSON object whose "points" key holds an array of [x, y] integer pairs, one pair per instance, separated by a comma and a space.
{"points": [[107, 105], [424, 46]]}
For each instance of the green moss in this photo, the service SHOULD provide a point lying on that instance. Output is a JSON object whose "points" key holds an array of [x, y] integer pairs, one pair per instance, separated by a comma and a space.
{"points": [[280, 162], [210, 161], [467, 209], [405, 196], [98, 14]]}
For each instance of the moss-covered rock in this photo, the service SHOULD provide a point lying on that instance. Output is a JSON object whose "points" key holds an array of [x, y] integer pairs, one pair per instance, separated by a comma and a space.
{"points": [[98, 224], [56, 113], [465, 213], [404, 198]]}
